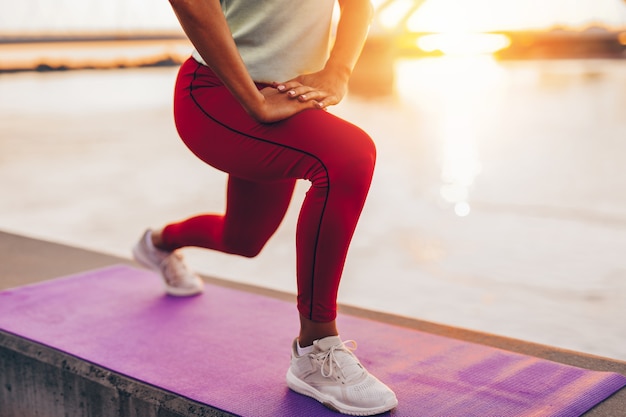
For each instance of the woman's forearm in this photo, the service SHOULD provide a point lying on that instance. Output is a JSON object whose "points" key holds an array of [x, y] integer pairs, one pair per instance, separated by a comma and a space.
{"points": [[205, 25], [352, 30]]}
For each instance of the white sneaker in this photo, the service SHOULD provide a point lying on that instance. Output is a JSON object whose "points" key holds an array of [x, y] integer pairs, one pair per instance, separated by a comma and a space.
{"points": [[178, 279], [334, 376]]}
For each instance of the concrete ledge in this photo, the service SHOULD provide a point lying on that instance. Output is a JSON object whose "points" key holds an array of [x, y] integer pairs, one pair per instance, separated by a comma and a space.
{"points": [[40, 381], [36, 380]]}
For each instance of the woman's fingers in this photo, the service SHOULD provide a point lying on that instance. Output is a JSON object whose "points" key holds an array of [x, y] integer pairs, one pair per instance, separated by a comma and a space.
{"points": [[278, 107], [327, 101], [304, 93], [295, 89], [287, 86], [299, 91], [322, 98]]}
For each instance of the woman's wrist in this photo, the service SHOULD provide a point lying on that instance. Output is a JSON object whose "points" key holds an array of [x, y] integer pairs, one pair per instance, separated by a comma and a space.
{"points": [[340, 71], [253, 104]]}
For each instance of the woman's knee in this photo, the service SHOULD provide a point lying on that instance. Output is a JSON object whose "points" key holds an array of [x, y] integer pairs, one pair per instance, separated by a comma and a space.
{"points": [[367, 154], [358, 149], [348, 164], [242, 246], [357, 161]]}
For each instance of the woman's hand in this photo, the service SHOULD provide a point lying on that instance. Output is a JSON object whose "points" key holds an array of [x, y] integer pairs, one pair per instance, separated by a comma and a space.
{"points": [[323, 88], [311, 91], [274, 106]]}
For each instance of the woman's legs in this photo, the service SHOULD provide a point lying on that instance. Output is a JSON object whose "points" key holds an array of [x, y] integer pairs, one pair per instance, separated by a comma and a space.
{"points": [[263, 163], [335, 156], [254, 210]]}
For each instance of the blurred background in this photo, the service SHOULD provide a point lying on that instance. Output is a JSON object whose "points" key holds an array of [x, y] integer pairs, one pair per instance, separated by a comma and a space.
{"points": [[499, 201]]}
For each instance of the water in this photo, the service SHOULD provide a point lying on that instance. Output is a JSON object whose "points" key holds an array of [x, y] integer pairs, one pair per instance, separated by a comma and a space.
{"points": [[498, 203]]}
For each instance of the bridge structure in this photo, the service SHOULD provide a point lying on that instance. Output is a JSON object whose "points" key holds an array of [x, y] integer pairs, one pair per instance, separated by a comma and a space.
{"points": [[77, 18]]}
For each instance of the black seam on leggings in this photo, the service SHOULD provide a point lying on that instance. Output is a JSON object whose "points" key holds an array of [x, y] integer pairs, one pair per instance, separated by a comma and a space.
{"points": [[319, 227]]}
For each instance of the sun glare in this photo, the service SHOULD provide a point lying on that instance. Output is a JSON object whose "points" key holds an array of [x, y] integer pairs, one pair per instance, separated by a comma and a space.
{"points": [[440, 17], [463, 93], [456, 27], [391, 16], [456, 31], [463, 43]]}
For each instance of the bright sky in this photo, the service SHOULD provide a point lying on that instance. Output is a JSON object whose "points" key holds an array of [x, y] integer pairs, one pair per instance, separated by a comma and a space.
{"points": [[65, 16], [84, 16], [485, 15]]}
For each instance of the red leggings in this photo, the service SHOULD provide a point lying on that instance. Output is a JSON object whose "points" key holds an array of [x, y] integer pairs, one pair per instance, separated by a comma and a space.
{"points": [[263, 162]]}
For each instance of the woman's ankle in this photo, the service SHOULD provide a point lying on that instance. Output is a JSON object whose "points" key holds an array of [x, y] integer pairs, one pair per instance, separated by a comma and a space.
{"points": [[157, 240], [311, 331]]}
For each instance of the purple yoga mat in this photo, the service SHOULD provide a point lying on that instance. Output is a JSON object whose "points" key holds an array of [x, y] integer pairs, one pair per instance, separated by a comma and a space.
{"points": [[230, 349]]}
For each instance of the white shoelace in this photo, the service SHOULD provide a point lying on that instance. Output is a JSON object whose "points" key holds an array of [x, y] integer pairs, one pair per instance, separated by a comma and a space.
{"points": [[330, 360], [174, 269]]}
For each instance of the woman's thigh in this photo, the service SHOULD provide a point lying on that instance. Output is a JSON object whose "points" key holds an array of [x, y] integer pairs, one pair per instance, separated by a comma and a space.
{"points": [[306, 146]]}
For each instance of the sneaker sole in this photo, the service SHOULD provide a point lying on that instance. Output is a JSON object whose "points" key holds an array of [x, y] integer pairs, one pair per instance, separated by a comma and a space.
{"points": [[177, 292], [296, 384]]}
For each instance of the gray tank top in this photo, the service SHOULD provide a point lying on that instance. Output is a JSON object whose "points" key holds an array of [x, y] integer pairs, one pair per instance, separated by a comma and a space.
{"points": [[279, 39]]}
